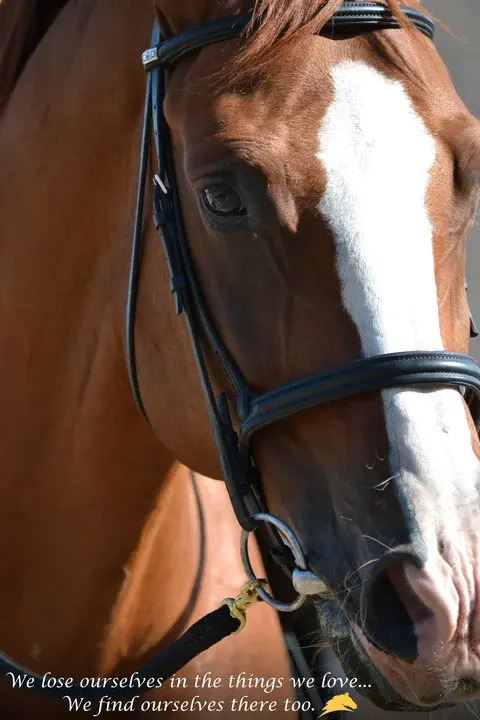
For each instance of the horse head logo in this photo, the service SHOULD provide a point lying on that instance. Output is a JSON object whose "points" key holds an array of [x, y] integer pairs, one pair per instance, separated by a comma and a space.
{"points": [[339, 703]]}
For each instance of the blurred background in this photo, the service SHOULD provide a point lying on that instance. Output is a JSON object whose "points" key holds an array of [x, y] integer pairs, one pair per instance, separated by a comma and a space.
{"points": [[462, 57]]}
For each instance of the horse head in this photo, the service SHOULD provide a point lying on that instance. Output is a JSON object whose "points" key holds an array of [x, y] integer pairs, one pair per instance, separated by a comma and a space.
{"points": [[327, 187]]}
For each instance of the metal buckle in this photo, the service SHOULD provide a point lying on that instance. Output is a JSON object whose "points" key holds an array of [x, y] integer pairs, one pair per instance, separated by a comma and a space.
{"points": [[149, 56], [248, 596]]}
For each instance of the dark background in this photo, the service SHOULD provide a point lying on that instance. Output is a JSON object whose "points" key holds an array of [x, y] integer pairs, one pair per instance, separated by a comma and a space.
{"points": [[462, 57]]}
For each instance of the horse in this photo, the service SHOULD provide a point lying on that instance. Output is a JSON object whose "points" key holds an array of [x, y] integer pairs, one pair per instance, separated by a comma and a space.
{"points": [[326, 190]]}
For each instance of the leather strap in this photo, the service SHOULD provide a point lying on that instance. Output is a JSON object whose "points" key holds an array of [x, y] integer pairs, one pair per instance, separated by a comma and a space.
{"points": [[420, 370], [237, 471], [136, 255], [350, 18]]}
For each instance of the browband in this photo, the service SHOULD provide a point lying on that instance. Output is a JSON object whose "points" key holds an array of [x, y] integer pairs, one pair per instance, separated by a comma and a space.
{"points": [[352, 17]]}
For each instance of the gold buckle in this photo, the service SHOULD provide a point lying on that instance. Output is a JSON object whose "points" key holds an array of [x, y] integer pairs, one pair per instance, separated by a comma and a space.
{"points": [[247, 597]]}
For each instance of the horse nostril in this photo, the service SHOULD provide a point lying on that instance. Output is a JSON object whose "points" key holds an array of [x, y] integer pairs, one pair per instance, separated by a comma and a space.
{"points": [[386, 620], [416, 608]]}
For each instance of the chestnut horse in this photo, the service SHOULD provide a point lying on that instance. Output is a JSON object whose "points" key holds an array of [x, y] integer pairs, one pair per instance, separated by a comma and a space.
{"points": [[327, 189]]}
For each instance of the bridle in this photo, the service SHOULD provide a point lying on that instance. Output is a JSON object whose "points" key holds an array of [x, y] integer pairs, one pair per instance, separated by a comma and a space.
{"points": [[418, 369]]}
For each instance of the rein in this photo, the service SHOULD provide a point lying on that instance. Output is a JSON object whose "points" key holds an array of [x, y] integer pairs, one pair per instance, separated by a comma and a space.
{"points": [[419, 369]]}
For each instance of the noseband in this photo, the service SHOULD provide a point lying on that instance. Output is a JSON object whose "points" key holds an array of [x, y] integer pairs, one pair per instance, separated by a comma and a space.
{"points": [[415, 369]]}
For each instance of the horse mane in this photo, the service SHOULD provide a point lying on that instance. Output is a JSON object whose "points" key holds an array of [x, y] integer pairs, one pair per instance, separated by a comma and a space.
{"points": [[23, 23], [276, 24]]}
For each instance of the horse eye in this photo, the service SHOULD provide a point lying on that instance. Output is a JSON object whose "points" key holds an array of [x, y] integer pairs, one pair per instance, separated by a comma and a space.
{"points": [[222, 200]]}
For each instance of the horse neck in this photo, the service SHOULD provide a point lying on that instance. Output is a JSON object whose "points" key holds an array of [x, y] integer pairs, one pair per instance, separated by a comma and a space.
{"points": [[22, 25], [81, 469]]}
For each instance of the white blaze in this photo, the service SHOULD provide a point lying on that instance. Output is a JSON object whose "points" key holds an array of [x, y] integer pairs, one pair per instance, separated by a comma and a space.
{"points": [[377, 154]]}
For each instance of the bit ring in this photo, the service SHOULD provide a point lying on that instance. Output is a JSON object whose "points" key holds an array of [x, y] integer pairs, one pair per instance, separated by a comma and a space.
{"points": [[291, 541]]}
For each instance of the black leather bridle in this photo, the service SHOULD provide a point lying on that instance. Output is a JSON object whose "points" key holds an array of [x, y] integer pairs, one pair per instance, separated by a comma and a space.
{"points": [[419, 369]]}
